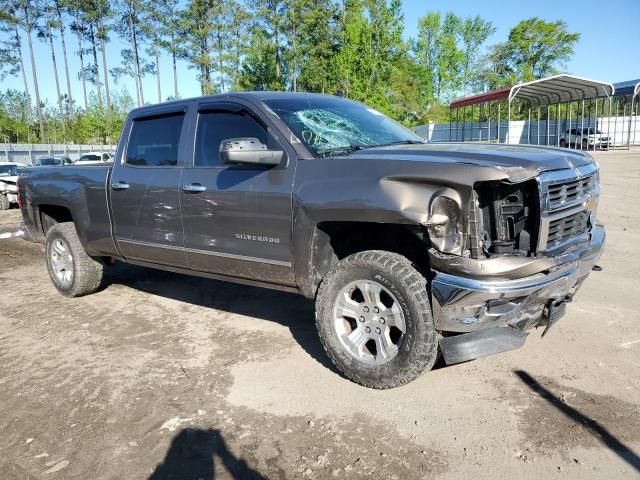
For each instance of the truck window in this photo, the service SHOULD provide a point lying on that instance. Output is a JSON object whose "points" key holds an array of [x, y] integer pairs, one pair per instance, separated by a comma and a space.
{"points": [[154, 141], [214, 127]]}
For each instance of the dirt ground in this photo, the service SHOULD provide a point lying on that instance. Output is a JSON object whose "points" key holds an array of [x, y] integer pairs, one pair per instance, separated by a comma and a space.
{"points": [[163, 376]]}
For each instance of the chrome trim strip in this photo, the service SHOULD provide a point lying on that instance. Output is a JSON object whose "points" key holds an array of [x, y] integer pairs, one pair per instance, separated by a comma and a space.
{"points": [[207, 252]]}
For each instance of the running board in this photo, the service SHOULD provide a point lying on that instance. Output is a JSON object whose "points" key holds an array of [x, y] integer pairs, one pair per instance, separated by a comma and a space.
{"points": [[469, 346]]}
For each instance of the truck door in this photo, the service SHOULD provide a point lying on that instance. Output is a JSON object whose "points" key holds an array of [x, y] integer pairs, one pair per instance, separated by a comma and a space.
{"points": [[145, 195], [237, 218]]}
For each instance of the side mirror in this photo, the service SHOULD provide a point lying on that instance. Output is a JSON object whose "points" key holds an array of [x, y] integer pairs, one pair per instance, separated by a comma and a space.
{"points": [[248, 150]]}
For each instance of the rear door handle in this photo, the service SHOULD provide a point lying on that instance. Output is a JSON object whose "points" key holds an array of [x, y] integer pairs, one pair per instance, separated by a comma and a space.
{"points": [[194, 187], [120, 186]]}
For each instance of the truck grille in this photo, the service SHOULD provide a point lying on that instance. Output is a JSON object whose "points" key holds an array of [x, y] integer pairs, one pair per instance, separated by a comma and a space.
{"points": [[560, 194], [567, 205], [562, 229]]}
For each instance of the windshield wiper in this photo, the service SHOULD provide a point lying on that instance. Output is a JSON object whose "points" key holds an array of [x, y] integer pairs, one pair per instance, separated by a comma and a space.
{"points": [[343, 150], [401, 142]]}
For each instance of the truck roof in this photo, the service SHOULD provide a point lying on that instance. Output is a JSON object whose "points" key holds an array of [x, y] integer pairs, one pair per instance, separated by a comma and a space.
{"points": [[262, 95]]}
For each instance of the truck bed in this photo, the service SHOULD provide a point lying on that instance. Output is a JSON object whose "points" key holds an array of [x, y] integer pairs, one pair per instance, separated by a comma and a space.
{"points": [[82, 190]]}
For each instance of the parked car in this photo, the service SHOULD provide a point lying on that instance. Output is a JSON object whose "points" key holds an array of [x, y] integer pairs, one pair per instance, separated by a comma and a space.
{"points": [[409, 249], [585, 138], [8, 189], [53, 161], [94, 158]]}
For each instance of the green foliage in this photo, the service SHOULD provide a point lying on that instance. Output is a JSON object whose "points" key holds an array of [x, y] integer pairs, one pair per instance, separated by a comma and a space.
{"points": [[356, 48], [535, 49]]}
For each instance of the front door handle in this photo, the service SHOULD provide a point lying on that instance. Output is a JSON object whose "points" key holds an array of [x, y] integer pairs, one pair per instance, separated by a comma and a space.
{"points": [[194, 187], [120, 186]]}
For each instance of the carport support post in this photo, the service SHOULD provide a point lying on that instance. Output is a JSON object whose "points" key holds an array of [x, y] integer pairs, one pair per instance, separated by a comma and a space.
{"points": [[529, 129], [547, 123], [615, 125], [538, 126], [569, 127], [595, 126], [634, 108], [457, 122], [498, 127], [489, 122], [509, 121], [558, 125], [581, 125], [609, 126], [629, 129], [464, 120], [472, 122]]}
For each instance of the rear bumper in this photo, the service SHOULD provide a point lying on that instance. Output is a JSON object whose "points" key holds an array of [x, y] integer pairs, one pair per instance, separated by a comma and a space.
{"points": [[464, 304]]}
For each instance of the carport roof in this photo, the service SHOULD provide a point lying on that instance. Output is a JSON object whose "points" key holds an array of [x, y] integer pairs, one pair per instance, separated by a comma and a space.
{"points": [[630, 87], [546, 91]]}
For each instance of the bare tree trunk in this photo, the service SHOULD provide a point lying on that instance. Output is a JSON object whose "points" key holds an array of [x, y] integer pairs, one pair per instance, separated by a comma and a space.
{"points": [[295, 61], [55, 74], [64, 55], [136, 64], [35, 86], [92, 35], [220, 64], [175, 70], [103, 47], [24, 77], [157, 54], [83, 77]]}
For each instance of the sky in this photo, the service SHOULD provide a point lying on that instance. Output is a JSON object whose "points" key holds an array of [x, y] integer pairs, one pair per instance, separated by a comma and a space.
{"points": [[608, 49]]}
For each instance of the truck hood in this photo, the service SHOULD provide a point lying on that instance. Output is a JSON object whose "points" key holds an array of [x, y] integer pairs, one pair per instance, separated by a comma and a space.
{"points": [[517, 162]]}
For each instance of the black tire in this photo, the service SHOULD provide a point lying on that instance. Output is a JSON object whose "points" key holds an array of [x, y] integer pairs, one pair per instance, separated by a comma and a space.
{"points": [[417, 349], [4, 202], [563, 143], [585, 144], [85, 272]]}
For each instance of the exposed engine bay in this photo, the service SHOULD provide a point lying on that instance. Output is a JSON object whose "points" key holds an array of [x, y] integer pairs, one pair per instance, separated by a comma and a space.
{"points": [[507, 219]]}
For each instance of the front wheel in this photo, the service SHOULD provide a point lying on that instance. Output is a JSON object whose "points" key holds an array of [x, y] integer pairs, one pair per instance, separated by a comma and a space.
{"points": [[374, 319], [563, 143], [72, 271]]}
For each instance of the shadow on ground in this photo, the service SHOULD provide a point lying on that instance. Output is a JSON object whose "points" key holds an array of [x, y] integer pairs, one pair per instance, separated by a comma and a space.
{"points": [[290, 310], [194, 454], [591, 425]]}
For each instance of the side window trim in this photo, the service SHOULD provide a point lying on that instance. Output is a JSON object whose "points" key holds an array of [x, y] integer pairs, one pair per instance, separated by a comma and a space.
{"points": [[149, 116], [232, 108]]}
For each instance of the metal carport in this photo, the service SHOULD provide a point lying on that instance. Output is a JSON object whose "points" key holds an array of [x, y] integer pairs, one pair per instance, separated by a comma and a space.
{"points": [[556, 91], [629, 92]]}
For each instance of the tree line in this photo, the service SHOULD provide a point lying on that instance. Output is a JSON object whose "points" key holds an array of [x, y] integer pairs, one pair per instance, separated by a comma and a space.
{"points": [[355, 48]]}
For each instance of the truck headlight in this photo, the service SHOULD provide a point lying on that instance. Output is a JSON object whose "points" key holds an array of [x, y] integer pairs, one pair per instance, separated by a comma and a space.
{"points": [[444, 223]]}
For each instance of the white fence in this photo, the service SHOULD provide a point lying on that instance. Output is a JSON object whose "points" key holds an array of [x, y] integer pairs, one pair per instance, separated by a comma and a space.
{"points": [[622, 130], [28, 153]]}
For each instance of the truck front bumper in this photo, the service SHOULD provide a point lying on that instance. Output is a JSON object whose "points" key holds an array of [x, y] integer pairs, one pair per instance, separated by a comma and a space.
{"points": [[464, 304]]}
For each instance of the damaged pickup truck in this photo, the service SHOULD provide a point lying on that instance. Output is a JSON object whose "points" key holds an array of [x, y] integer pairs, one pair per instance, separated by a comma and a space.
{"points": [[409, 250]]}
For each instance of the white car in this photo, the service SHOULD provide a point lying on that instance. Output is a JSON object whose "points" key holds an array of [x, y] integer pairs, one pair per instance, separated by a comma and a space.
{"points": [[8, 188], [94, 158], [585, 138]]}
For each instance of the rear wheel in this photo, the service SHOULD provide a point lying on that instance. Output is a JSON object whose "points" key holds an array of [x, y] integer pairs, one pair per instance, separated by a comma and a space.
{"points": [[72, 271], [585, 144], [374, 319], [4, 202]]}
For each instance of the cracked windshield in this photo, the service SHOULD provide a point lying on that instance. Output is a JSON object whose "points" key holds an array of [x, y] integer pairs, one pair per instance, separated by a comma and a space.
{"points": [[331, 127]]}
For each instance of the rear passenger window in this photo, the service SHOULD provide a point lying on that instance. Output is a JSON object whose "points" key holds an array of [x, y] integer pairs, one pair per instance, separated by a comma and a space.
{"points": [[214, 127], [154, 141]]}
